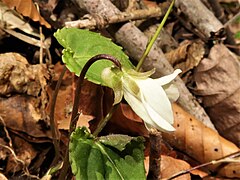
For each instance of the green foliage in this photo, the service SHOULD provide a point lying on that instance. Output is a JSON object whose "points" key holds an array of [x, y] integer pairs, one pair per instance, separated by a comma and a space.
{"points": [[237, 35], [111, 157], [81, 45]]}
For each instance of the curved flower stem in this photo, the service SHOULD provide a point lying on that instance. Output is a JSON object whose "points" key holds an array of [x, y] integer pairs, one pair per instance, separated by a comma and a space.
{"points": [[150, 44], [80, 83], [53, 125], [75, 114]]}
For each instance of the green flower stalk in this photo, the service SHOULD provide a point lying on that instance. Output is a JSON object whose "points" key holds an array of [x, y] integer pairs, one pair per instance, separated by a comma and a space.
{"points": [[149, 98]]}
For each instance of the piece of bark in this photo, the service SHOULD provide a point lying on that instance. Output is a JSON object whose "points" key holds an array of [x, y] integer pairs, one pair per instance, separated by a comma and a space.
{"points": [[217, 81], [155, 139], [135, 42], [200, 16]]}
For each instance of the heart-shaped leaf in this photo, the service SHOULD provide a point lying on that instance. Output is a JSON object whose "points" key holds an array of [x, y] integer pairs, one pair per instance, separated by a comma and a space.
{"points": [[92, 159], [81, 45]]}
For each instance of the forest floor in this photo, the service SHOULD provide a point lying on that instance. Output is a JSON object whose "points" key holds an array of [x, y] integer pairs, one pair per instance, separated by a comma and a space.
{"points": [[202, 38]]}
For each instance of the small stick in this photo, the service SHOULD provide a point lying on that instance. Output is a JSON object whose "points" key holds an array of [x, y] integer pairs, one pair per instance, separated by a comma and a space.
{"points": [[226, 159], [155, 138], [93, 21]]}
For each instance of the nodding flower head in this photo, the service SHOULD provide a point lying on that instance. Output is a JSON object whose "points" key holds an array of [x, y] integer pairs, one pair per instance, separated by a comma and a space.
{"points": [[149, 98]]}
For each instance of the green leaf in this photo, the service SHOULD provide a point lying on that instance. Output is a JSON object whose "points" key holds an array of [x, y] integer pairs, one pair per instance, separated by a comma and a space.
{"points": [[81, 45], [237, 35], [118, 141], [112, 157]]}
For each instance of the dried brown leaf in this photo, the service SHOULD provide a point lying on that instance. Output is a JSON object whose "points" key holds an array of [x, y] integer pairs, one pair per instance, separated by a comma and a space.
{"points": [[23, 110], [201, 143], [124, 120], [16, 76], [170, 166], [24, 152], [186, 56], [218, 85], [27, 8], [22, 113]]}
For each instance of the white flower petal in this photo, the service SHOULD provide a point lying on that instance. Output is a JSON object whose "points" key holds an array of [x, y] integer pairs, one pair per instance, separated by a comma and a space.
{"points": [[155, 96], [168, 78], [137, 106], [157, 121], [172, 92]]}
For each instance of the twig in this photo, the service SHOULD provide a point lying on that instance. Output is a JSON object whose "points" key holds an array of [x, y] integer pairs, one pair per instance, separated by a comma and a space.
{"points": [[219, 12], [232, 19], [93, 21], [226, 159], [41, 39], [155, 138], [200, 16], [6, 131], [73, 122], [26, 39]]}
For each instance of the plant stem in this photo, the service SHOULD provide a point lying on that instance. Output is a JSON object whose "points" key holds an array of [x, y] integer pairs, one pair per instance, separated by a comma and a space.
{"points": [[104, 121], [155, 138], [150, 44], [53, 124], [73, 122]]}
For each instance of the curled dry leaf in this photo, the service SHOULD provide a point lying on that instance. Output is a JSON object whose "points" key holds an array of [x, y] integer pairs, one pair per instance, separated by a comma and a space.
{"points": [[186, 56], [10, 19], [23, 113], [17, 76], [27, 85], [27, 8], [218, 85], [176, 166], [202, 143]]}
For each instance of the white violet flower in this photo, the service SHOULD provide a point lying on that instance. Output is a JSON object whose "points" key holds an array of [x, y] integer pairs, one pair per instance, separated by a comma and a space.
{"points": [[149, 98]]}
